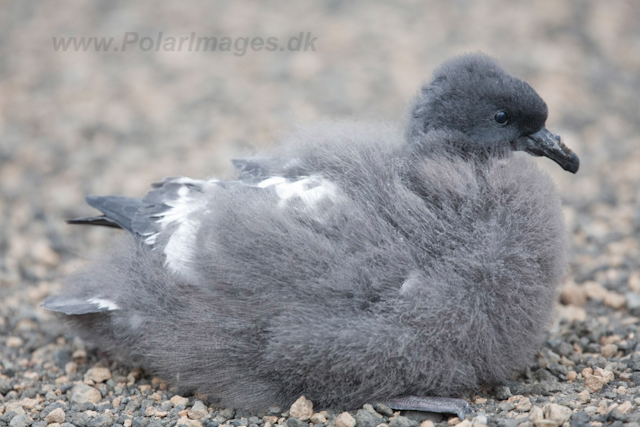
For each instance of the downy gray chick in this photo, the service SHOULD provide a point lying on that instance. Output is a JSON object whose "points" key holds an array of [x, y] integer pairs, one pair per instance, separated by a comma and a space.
{"points": [[363, 263]]}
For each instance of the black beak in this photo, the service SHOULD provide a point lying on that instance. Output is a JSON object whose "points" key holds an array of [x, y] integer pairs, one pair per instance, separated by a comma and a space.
{"points": [[544, 143]]}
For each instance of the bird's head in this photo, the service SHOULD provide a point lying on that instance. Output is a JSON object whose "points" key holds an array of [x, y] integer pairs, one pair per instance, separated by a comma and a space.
{"points": [[472, 94]]}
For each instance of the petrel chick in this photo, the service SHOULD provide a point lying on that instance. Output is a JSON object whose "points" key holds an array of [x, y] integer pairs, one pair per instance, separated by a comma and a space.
{"points": [[362, 263]]}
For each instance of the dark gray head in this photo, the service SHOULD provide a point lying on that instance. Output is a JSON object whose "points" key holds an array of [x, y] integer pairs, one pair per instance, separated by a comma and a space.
{"points": [[496, 111]]}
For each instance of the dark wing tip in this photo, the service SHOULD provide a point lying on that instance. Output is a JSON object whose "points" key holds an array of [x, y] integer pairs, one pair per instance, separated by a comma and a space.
{"points": [[94, 220]]}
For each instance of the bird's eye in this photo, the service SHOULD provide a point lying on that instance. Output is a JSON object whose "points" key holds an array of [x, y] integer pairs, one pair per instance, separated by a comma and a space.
{"points": [[501, 117]]}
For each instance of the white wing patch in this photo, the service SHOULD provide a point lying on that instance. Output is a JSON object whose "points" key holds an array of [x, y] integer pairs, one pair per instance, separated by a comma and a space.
{"points": [[310, 190], [179, 247], [276, 180], [104, 303]]}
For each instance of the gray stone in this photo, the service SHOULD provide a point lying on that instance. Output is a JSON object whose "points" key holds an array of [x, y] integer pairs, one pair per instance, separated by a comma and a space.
{"points": [[580, 419], [633, 302], [597, 362], [402, 421], [198, 411], [100, 421], [295, 422], [507, 422], [503, 392], [420, 416], [132, 406], [139, 422], [20, 421], [5, 386], [506, 406], [557, 369], [8, 416], [564, 349], [365, 418], [79, 419], [544, 388], [547, 357], [227, 413], [383, 409], [635, 378], [615, 414]]}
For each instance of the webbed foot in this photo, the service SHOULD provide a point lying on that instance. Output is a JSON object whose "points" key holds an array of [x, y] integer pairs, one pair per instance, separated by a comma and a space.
{"points": [[443, 405]]}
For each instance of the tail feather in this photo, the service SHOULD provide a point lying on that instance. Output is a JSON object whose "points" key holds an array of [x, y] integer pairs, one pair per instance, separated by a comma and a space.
{"points": [[70, 305], [118, 212], [94, 220]]}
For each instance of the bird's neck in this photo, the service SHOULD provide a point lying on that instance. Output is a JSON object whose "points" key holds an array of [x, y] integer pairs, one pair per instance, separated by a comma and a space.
{"points": [[454, 144]]}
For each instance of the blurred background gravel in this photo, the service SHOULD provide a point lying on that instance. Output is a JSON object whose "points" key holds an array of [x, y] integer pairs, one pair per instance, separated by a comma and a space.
{"points": [[75, 123]]}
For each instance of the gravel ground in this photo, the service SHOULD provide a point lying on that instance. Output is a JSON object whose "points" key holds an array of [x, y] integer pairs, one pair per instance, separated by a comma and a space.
{"points": [[77, 123]]}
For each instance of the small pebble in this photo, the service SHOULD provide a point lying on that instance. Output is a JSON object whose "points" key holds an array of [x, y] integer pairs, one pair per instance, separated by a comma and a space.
{"points": [[584, 396], [14, 342], [319, 417], [503, 392], [608, 350], [291, 422], [20, 421], [198, 411], [179, 400], [226, 413], [83, 393], [346, 420], [71, 368], [536, 414], [184, 421], [29, 404], [557, 413], [97, 374], [573, 294], [626, 407], [523, 404], [55, 416], [614, 300], [301, 409], [480, 421], [595, 291], [383, 409]]}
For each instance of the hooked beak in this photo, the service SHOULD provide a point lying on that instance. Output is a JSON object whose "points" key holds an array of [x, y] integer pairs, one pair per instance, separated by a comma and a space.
{"points": [[544, 143]]}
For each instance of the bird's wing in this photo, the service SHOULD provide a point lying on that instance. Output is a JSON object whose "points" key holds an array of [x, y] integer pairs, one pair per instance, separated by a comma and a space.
{"points": [[170, 216]]}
